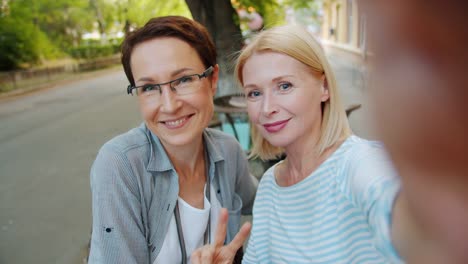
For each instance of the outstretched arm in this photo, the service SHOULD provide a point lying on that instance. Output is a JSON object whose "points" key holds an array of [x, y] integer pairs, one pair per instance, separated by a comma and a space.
{"points": [[428, 226]]}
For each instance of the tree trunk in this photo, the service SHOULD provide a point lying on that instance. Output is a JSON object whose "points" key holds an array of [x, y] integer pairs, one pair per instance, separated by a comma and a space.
{"points": [[100, 21], [218, 17]]}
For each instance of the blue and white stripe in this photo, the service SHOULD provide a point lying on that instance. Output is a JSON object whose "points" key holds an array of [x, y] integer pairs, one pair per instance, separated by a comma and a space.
{"points": [[338, 214]]}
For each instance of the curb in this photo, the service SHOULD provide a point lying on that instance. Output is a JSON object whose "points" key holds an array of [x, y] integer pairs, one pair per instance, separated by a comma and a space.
{"points": [[21, 92]]}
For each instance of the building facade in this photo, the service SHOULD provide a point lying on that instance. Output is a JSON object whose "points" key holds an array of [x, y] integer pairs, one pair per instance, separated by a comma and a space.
{"points": [[344, 28]]}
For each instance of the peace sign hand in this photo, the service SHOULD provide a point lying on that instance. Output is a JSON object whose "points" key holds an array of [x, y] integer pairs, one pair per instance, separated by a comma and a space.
{"points": [[218, 253]]}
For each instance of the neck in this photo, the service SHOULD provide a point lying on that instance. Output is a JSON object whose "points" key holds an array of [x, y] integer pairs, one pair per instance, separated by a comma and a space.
{"points": [[189, 163], [301, 162], [188, 160]]}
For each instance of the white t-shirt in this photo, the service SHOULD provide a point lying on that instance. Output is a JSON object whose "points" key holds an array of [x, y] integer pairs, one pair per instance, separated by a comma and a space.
{"points": [[193, 221]]}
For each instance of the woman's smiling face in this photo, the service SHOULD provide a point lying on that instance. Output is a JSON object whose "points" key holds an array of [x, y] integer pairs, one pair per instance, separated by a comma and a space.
{"points": [[284, 98], [176, 119]]}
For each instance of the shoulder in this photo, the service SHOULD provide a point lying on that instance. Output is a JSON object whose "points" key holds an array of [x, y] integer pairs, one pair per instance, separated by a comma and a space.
{"points": [[120, 154], [364, 153], [355, 152], [367, 167], [359, 162], [365, 147], [267, 182], [123, 143]]}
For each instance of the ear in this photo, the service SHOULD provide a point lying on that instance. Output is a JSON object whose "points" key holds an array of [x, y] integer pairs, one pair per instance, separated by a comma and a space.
{"points": [[214, 79], [324, 89]]}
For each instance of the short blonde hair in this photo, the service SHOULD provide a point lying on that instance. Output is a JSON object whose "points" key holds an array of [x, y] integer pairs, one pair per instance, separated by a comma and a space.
{"points": [[298, 43]]}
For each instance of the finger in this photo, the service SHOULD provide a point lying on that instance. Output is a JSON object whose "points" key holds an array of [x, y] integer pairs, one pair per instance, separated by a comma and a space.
{"points": [[195, 258], [220, 235], [207, 254], [240, 238]]}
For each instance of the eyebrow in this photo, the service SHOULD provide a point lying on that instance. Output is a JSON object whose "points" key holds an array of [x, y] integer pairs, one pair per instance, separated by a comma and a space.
{"points": [[281, 77], [174, 73], [276, 79]]}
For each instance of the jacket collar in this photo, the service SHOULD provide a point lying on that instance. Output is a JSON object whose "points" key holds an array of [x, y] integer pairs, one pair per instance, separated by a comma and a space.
{"points": [[159, 160]]}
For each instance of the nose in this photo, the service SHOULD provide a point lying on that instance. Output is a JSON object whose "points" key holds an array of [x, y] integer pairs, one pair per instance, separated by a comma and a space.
{"points": [[169, 100], [269, 106]]}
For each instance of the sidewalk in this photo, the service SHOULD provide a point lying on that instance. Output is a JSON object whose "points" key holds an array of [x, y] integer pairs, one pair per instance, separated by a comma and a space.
{"points": [[57, 82]]}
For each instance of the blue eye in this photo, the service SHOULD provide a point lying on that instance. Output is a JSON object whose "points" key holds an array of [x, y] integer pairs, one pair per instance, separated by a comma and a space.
{"points": [[254, 94], [148, 87], [187, 79], [283, 87]]}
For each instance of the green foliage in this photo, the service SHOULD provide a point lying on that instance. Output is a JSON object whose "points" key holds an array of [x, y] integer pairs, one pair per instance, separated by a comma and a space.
{"points": [[22, 44], [63, 21], [94, 51], [35, 30], [15, 47], [139, 12], [274, 15], [298, 4], [274, 11]]}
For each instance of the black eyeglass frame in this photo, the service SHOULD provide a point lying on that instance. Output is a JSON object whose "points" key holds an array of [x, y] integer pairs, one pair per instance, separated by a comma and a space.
{"points": [[204, 74]]}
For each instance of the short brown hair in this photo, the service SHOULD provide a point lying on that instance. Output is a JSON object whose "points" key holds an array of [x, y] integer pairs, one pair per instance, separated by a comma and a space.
{"points": [[185, 29]]}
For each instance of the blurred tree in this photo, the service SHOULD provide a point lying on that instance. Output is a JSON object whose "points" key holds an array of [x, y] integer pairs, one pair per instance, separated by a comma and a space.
{"points": [[64, 21], [222, 20], [22, 43], [32, 31], [135, 13]]}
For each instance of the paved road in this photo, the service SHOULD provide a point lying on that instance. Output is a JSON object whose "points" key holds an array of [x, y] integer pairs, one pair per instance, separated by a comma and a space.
{"points": [[47, 143]]}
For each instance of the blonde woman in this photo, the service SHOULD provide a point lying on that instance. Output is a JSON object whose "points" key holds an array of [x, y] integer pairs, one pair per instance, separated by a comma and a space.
{"points": [[330, 200]]}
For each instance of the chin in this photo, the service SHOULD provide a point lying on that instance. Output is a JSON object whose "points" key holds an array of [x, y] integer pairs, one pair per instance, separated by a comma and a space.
{"points": [[278, 141]]}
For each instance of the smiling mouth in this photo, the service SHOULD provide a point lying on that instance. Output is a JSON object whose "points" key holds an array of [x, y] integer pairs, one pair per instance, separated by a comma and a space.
{"points": [[276, 126], [177, 123]]}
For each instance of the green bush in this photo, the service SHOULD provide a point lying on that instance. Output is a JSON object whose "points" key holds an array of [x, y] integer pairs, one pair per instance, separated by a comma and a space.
{"points": [[17, 44], [93, 51], [23, 44]]}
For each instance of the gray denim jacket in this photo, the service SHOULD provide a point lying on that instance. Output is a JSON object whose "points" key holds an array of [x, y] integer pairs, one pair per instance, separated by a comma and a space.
{"points": [[135, 187]]}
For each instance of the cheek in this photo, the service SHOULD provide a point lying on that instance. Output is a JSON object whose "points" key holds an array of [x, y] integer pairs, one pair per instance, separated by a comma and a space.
{"points": [[203, 101], [148, 110], [253, 110], [209, 109]]}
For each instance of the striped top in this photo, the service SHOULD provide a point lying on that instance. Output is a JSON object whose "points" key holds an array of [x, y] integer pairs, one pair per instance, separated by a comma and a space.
{"points": [[338, 214]]}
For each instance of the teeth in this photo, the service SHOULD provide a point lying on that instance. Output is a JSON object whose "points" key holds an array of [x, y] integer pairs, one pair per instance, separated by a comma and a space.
{"points": [[176, 122]]}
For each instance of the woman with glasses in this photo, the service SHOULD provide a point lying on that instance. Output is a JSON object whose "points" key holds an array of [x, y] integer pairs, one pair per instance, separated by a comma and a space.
{"points": [[159, 189]]}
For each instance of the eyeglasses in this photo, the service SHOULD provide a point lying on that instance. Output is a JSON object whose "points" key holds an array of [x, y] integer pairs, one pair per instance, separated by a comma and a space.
{"points": [[184, 85]]}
